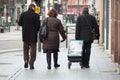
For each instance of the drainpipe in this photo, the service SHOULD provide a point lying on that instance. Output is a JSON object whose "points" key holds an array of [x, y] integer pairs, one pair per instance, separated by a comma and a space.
{"points": [[100, 27]]}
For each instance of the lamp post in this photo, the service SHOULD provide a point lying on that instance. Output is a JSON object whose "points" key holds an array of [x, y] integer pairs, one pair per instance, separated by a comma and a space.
{"points": [[39, 4]]}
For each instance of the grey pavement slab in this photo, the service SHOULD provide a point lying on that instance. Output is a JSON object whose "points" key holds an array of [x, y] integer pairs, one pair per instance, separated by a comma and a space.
{"points": [[9, 64], [101, 67]]}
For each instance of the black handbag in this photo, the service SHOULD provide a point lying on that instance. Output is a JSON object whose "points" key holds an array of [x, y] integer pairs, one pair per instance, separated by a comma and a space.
{"points": [[44, 31], [93, 31]]}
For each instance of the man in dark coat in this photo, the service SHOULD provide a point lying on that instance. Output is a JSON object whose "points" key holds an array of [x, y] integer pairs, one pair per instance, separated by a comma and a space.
{"points": [[84, 26], [30, 23]]}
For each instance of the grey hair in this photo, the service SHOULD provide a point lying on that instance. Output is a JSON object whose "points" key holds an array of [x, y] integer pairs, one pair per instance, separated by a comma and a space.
{"points": [[31, 5]]}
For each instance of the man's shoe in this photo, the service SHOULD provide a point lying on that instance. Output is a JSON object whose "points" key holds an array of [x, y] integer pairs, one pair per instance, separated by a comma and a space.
{"points": [[57, 65], [48, 67], [26, 65], [86, 66], [32, 67]]}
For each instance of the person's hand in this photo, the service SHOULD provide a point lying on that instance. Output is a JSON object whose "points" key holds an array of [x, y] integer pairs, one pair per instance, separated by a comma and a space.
{"points": [[62, 40]]}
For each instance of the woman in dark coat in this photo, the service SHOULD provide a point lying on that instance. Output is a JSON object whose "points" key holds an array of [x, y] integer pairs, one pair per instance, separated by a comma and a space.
{"points": [[84, 25], [51, 43]]}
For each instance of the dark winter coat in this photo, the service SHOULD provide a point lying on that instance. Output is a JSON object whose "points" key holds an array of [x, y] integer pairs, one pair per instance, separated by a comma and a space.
{"points": [[83, 31], [54, 28], [30, 23]]}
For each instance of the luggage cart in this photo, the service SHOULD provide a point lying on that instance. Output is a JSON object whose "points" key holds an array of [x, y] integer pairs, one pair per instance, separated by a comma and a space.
{"points": [[75, 52]]}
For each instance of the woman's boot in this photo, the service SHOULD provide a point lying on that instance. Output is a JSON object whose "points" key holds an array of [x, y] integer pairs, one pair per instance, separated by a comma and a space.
{"points": [[55, 55], [49, 60]]}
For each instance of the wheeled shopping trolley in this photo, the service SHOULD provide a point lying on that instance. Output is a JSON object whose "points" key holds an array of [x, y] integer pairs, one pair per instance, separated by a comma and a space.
{"points": [[75, 52]]}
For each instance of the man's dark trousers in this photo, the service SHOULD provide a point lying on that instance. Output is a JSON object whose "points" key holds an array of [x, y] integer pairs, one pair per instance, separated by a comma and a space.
{"points": [[29, 47], [86, 53]]}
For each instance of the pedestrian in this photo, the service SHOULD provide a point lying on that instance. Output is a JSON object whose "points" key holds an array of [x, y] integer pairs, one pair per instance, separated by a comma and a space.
{"points": [[84, 32], [9, 22], [51, 43], [30, 23]]}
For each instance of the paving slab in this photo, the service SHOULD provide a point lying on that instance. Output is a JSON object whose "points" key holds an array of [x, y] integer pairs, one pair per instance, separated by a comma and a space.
{"points": [[101, 68]]}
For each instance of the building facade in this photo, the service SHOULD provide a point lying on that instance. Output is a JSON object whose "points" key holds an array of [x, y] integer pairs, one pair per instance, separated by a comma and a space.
{"points": [[109, 28], [75, 6], [13, 9], [115, 30], [7, 9]]}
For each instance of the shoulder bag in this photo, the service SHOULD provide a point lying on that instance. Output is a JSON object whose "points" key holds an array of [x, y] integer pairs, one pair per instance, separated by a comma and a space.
{"points": [[93, 32], [44, 31]]}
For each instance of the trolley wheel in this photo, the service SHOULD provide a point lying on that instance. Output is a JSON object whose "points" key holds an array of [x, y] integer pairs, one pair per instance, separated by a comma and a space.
{"points": [[69, 64], [81, 65]]}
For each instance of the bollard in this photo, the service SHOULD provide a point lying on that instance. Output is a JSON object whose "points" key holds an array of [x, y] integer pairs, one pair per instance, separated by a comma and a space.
{"points": [[1, 30], [66, 36]]}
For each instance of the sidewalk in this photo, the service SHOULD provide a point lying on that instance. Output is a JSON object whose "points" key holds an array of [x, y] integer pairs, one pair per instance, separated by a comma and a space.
{"points": [[11, 63], [101, 67], [11, 41]]}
